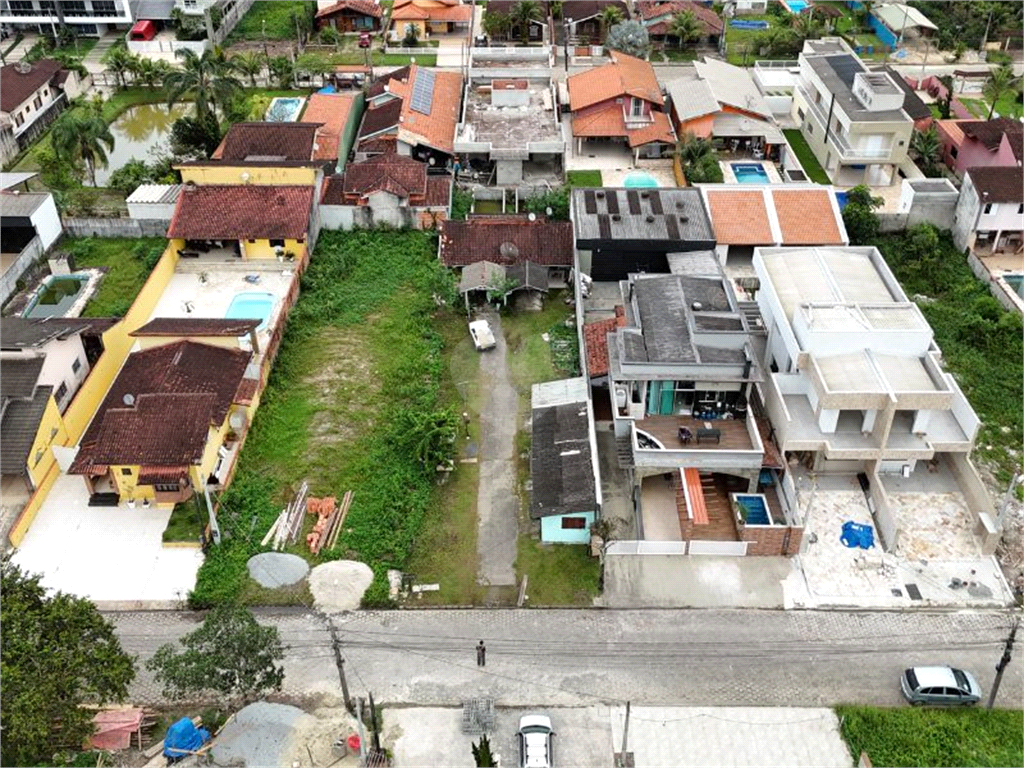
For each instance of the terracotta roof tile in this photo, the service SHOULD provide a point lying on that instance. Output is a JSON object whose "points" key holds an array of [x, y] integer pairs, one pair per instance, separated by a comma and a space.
{"points": [[177, 392], [439, 191], [195, 326], [595, 337], [285, 141], [436, 130], [250, 212], [480, 238], [378, 86], [709, 20], [659, 130], [17, 87], [608, 121], [740, 218], [806, 217], [450, 13], [364, 7], [331, 111], [624, 76], [405, 177]]}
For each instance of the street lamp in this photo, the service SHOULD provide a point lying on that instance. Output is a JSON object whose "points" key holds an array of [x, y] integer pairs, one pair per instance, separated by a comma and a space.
{"points": [[567, 22], [266, 54]]}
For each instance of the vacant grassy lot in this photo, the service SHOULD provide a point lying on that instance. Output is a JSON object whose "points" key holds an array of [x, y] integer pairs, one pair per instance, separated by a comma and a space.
{"points": [[934, 737], [128, 262], [187, 522], [583, 178], [807, 159], [278, 17]]}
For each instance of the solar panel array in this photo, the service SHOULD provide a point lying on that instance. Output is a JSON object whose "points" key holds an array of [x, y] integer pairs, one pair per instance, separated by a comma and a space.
{"points": [[423, 91], [845, 67]]}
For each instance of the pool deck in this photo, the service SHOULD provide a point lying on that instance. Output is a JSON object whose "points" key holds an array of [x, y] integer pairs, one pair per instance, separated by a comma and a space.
{"points": [[729, 176]]}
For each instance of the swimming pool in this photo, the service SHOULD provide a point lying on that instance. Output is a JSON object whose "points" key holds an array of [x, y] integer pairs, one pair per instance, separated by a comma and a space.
{"points": [[56, 295], [1016, 282], [251, 305], [750, 173], [284, 109], [753, 508], [795, 6], [639, 180]]}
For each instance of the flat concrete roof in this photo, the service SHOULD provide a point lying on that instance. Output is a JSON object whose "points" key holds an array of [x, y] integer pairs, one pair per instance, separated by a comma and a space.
{"points": [[509, 127]]}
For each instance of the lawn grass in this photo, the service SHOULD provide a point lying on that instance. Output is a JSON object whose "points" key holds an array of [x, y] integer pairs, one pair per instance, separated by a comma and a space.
{"points": [[128, 262], [583, 178], [559, 574], [1008, 106], [736, 39], [977, 107], [187, 522], [277, 14], [933, 737], [806, 157]]}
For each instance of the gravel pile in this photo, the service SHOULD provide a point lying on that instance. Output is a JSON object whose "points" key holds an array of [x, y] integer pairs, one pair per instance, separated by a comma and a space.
{"points": [[339, 585], [277, 569]]}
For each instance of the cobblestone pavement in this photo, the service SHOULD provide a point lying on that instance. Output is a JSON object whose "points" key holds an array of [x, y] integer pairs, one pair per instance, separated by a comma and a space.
{"points": [[588, 657]]}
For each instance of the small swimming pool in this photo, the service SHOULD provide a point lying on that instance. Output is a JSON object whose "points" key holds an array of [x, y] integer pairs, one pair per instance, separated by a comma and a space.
{"points": [[745, 24], [750, 173], [251, 306], [1016, 282], [795, 6], [753, 508], [639, 180], [284, 109], [56, 296]]}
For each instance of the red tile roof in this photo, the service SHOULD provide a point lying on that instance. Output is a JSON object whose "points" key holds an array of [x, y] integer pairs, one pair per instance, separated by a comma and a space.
{"points": [[292, 142], [410, 10], [365, 7], [439, 192], [331, 111], [250, 212], [625, 76], [740, 217], [195, 326], [709, 20], [506, 240], [806, 217], [400, 175], [437, 129], [609, 121], [16, 87], [990, 132], [595, 339], [160, 408]]}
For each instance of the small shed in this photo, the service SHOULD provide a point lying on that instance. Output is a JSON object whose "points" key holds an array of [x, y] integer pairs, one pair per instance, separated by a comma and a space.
{"points": [[566, 496], [481, 276], [153, 202]]}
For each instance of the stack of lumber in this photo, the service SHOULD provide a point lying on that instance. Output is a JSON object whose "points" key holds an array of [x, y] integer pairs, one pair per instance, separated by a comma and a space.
{"points": [[288, 526]]}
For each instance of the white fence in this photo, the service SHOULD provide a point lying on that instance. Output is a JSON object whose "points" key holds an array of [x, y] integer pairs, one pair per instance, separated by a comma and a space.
{"points": [[720, 548], [646, 548], [158, 45]]}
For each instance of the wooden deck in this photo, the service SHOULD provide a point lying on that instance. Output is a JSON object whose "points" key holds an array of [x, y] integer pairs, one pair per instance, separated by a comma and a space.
{"points": [[714, 522], [734, 435]]}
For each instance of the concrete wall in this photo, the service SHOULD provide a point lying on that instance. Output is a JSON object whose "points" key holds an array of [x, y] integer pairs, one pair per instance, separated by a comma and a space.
{"points": [[551, 529], [9, 280], [370, 216], [46, 220], [152, 211], [98, 227]]}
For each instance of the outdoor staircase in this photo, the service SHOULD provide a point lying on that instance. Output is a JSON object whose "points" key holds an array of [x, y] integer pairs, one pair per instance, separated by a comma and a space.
{"points": [[624, 452], [752, 313]]}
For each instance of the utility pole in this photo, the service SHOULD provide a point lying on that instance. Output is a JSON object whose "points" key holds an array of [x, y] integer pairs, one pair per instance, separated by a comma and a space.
{"points": [[340, 662], [1003, 663], [373, 725], [624, 759]]}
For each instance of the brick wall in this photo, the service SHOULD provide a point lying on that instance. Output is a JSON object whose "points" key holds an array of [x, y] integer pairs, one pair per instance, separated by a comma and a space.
{"points": [[770, 540]]}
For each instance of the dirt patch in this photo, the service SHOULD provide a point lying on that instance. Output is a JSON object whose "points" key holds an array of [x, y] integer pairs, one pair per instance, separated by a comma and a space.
{"points": [[343, 388], [273, 47]]}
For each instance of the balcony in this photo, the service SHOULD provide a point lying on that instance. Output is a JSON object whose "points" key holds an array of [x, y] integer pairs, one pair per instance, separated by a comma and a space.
{"points": [[72, 14], [656, 444], [635, 121], [847, 152]]}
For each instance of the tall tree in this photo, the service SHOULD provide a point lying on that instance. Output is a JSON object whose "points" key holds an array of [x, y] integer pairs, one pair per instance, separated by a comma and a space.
{"points": [[524, 13], [630, 37], [119, 61], [207, 78], [609, 17], [806, 26], [56, 653], [82, 135], [685, 28], [1002, 83], [496, 24], [231, 654]]}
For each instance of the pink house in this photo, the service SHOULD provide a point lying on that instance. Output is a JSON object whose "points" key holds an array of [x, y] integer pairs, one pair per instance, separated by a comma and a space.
{"points": [[995, 143]]}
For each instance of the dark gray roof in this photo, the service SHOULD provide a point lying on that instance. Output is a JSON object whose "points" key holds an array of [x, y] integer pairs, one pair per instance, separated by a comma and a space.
{"points": [[24, 333], [837, 73], [641, 215], [560, 464], [154, 10], [912, 103], [19, 426], [20, 204], [528, 275], [18, 378]]}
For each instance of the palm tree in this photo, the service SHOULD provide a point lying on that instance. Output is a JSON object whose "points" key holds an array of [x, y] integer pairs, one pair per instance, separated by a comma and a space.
{"points": [[82, 135], [806, 26], [250, 63], [1002, 83], [685, 28], [118, 60], [523, 13], [927, 147], [609, 17], [692, 149], [207, 78]]}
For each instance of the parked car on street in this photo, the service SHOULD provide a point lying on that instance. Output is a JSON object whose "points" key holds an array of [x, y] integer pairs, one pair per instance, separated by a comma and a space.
{"points": [[940, 685], [535, 737], [483, 338]]}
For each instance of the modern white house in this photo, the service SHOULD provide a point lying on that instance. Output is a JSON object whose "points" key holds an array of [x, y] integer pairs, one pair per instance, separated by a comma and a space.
{"points": [[852, 118], [88, 17], [854, 380], [989, 214]]}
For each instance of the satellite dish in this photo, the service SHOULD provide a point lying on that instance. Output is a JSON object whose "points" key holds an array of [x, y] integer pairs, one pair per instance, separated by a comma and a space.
{"points": [[128, 400], [548, 210], [509, 250], [532, 217], [431, 160]]}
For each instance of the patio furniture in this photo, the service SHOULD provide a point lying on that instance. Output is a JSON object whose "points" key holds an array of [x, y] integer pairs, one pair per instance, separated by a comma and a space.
{"points": [[685, 435], [709, 435]]}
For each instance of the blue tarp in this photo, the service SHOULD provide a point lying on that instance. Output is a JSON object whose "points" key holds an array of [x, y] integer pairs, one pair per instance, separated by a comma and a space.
{"points": [[327, 89], [857, 535], [183, 737]]}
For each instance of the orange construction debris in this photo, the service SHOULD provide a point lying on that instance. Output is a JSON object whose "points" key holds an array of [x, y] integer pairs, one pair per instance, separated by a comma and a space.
{"points": [[325, 510]]}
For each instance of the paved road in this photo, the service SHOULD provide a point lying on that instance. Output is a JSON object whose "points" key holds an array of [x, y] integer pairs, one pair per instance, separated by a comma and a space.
{"points": [[588, 657]]}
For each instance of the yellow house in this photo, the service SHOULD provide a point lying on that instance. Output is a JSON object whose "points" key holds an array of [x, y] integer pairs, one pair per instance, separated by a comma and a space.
{"points": [[167, 427], [248, 221]]}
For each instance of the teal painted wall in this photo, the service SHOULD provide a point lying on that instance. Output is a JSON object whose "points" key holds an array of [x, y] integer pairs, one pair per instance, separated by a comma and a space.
{"points": [[551, 529]]}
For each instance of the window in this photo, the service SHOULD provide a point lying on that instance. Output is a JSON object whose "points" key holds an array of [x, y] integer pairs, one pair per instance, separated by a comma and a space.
{"points": [[37, 102], [19, 120], [61, 391], [1020, 208], [573, 523], [810, 128], [953, 152], [166, 487], [104, 7], [277, 243], [988, 208], [73, 7], [637, 108], [800, 114], [76, 366], [126, 470]]}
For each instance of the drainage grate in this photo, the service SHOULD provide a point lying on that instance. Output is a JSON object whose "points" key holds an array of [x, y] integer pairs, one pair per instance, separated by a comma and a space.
{"points": [[913, 591]]}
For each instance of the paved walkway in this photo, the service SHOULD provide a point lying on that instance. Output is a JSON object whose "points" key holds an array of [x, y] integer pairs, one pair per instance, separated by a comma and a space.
{"points": [[497, 502], [93, 60]]}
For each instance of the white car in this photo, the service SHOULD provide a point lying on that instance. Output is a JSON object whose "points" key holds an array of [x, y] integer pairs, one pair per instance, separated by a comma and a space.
{"points": [[483, 338], [535, 738]]}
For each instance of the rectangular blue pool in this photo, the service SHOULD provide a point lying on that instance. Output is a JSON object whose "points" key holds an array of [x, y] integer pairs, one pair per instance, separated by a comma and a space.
{"points": [[795, 6], [251, 306], [753, 508], [750, 173]]}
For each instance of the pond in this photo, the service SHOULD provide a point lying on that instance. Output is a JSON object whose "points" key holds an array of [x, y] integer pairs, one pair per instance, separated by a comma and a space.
{"points": [[141, 133]]}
